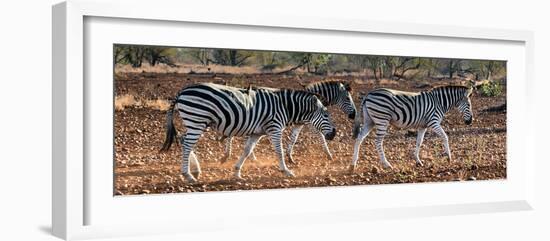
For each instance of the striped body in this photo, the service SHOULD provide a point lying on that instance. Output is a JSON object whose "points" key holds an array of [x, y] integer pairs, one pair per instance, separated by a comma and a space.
{"points": [[333, 93], [384, 107], [243, 112]]}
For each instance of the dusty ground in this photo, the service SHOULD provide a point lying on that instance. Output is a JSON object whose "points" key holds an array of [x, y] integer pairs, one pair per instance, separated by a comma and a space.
{"points": [[479, 150]]}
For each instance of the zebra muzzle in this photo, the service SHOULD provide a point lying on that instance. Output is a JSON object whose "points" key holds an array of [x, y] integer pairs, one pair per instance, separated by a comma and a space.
{"points": [[329, 136], [351, 115]]}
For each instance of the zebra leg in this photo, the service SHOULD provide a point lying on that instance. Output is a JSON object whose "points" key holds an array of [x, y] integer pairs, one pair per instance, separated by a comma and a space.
{"points": [[188, 141], [419, 139], [248, 149], [378, 142], [325, 147], [441, 133], [364, 133], [253, 156], [227, 153], [197, 167], [277, 143], [293, 138]]}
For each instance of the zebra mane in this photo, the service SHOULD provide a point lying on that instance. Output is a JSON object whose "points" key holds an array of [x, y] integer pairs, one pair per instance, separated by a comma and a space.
{"points": [[449, 87], [323, 100], [306, 92], [347, 85], [440, 91]]}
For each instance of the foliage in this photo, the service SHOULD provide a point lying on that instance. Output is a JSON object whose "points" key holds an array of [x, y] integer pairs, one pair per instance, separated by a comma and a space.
{"points": [[485, 69], [490, 89], [374, 66], [136, 54]]}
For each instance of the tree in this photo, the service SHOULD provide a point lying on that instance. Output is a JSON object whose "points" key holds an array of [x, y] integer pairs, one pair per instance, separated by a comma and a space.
{"points": [[319, 63], [401, 65], [134, 55], [298, 59], [360, 62], [156, 55], [375, 63], [119, 54], [431, 65], [230, 57], [484, 69], [492, 67], [453, 66], [200, 54]]}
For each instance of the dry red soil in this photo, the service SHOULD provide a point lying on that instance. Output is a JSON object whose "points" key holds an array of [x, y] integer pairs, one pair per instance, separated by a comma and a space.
{"points": [[479, 150]]}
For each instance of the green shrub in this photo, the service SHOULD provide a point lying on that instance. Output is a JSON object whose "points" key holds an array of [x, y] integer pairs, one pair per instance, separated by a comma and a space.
{"points": [[490, 89]]}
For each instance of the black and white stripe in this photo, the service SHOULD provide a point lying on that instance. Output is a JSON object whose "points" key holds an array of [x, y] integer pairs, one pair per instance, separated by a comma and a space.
{"points": [[252, 112], [422, 110], [335, 93]]}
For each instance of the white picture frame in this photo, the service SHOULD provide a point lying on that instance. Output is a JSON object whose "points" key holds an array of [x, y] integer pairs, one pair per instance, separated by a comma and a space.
{"points": [[76, 198]]}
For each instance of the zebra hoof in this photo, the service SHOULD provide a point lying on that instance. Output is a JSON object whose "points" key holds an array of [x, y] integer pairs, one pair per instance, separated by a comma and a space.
{"points": [[238, 177], [196, 174], [388, 166], [291, 161], [288, 173], [419, 164], [189, 178], [351, 168]]}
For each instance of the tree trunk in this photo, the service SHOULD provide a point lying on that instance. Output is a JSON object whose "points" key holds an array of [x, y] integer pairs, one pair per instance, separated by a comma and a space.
{"points": [[233, 57], [489, 75], [451, 70]]}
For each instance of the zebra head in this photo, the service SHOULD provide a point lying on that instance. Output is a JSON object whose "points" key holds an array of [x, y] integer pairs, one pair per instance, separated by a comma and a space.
{"points": [[321, 120], [465, 106], [345, 101]]}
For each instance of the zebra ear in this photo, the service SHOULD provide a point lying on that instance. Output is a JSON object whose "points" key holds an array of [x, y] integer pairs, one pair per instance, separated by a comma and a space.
{"points": [[347, 86], [474, 84], [471, 83], [249, 88], [321, 98], [471, 90]]}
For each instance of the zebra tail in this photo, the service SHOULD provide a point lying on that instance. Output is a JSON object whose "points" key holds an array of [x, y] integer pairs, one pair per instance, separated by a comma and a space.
{"points": [[171, 132], [358, 118], [357, 123]]}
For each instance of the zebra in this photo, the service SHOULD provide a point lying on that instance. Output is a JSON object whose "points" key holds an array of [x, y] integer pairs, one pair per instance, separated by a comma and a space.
{"points": [[251, 112], [337, 93], [420, 110]]}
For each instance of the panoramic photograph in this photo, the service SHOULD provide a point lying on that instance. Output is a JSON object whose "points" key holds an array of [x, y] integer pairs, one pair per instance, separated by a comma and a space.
{"points": [[190, 119]]}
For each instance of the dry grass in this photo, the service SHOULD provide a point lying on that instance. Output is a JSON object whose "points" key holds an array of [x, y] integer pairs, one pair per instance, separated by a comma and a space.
{"points": [[128, 100], [213, 68], [190, 68], [157, 104], [479, 150]]}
